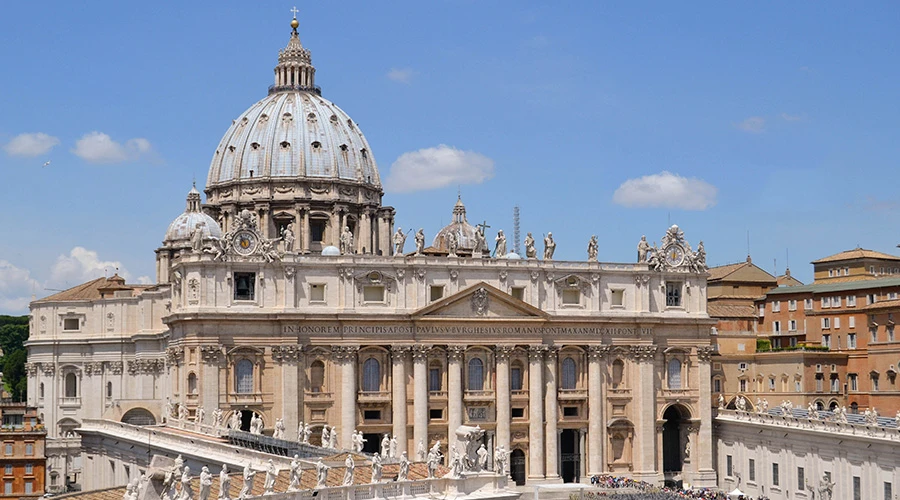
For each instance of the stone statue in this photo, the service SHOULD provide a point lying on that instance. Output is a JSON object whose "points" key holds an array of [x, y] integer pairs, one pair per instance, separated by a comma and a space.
{"points": [[549, 246], [187, 490], [812, 411], [182, 412], [403, 474], [897, 418], [478, 249], [434, 459], [360, 441], [217, 418], [500, 248], [205, 483], [871, 417], [333, 442], [279, 429], [399, 241], [200, 415], [287, 237], [247, 489], [699, 260], [482, 457], [469, 437], [420, 241], [765, 405], [687, 448], [452, 244], [321, 474], [170, 409], [294, 485], [593, 249], [530, 251], [420, 449], [267, 249], [236, 421], [826, 487], [643, 248], [386, 445], [171, 478], [346, 241], [721, 402], [393, 448], [256, 424], [456, 463], [349, 469], [197, 237], [376, 467], [271, 475], [326, 436], [129, 492], [741, 403], [500, 459], [307, 433], [224, 483]]}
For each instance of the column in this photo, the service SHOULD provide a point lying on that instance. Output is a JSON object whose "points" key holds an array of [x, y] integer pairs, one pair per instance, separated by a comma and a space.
{"points": [[536, 411], [420, 397], [334, 233], [398, 395], [288, 358], [211, 357], [454, 392], [365, 233], [595, 410], [551, 409], [502, 392], [346, 356], [302, 231], [645, 463], [703, 443]]}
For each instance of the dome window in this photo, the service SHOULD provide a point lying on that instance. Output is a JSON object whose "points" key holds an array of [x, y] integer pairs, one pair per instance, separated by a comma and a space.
{"points": [[254, 145], [316, 145], [311, 117], [231, 149], [350, 123], [285, 145], [334, 118], [287, 117], [364, 153], [344, 148], [263, 117]]}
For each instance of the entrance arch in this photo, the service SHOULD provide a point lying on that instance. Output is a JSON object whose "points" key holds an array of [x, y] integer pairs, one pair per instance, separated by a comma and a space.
{"points": [[674, 438], [569, 448], [138, 416], [517, 466], [246, 417]]}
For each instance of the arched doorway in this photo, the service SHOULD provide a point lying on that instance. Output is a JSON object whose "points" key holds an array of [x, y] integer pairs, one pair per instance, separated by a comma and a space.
{"points": [[138, 416], [673, 442], [372, 443], [833, 406], [517, 466], [246, 417], [571, 455]]}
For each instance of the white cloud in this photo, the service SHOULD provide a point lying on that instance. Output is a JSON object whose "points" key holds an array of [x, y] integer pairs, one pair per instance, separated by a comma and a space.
{"points": [[433, 168], [16, 287], [791, 118], [97, 147], [401, 75], [754, 125], [82, 265], [666, 190], [31, 145]]}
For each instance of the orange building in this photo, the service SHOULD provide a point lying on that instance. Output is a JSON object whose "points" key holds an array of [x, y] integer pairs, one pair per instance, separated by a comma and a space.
{"points": [[22, 461]]}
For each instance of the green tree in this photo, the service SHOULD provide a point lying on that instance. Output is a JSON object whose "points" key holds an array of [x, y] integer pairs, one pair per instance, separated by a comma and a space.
{"points": [[14, 380]]}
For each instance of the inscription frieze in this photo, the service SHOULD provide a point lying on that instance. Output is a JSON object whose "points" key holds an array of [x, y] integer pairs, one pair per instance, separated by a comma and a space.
{"points": [[338, 330]]}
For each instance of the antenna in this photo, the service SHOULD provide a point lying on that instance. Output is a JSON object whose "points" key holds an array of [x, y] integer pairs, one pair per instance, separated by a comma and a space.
{"points": [[748, 243], [516, 233], [775, 266], [787, 257]]}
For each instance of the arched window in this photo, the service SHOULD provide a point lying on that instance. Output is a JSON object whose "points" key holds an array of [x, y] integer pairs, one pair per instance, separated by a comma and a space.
{"points": [[243, 377], [71, 385], [618, 373], [515, 377], [109, 390], [674, 374], [192, 383], [316, 376], [568, 374], [476, 374], [371, 375]]}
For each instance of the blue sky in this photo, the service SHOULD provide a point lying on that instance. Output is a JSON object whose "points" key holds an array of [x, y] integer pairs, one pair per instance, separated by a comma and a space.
{"points": [[777, 120]]}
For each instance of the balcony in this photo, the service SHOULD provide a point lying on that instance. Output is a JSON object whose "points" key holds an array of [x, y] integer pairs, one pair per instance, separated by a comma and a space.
{"points": [[519, 394], [437, 395], [69, 402], [571, 394], [295, 88], [373, 396], [479, 395], [245, 398], [318, 396]]}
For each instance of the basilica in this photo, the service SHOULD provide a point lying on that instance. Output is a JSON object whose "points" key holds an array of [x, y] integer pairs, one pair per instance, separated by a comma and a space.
{"points": [[290, 295]]}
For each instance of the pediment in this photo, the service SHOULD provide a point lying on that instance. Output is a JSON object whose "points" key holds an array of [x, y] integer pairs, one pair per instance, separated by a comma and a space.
{"points": [[480, 301]]}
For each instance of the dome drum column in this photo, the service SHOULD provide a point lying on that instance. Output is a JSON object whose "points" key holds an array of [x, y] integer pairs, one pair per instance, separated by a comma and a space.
{"points": [[303, 229]]}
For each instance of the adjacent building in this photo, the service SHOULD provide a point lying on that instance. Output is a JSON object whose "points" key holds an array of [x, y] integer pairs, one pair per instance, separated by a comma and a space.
{"points": [[22, 462]]}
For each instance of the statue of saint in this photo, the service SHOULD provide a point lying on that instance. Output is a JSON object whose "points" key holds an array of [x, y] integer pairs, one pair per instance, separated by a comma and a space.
{"points": [[593, 249], [530, 251], [642, 249], [287, 237], [349, 468], [403, 475], [478, 249], [271, 476], [321, 474], [420, 241], [399, 241], [452, 244], [247, 489], [187, 488], [376, 467], [294, 484], [549, 246], [224, 483], [197, 237], [500, 248], [346, 241], [205, 483]]}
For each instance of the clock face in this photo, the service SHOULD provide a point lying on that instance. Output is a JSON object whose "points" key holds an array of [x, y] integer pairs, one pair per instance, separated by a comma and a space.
{"points": [[244, 242], [674, 255]]}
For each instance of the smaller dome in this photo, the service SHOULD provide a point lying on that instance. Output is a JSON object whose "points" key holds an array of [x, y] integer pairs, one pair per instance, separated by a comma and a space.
{"points": [[183, 225], [460, 227], [331, 251], [512, 256]]}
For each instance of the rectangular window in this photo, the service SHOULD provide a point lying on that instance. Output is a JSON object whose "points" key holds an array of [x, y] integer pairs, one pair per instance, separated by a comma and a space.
{"points": [[776, 306], [436, 292], [29, 469], [851, 322], [717, 385], [831, 273], [244, 286], [7, 488], [775, 479], [874, 382], [797, 386], [517, 292], [792, 305], [807, 304], [751, 470], [373, 293], [515, 379], [776, 326], [7, 449], [729, 466], [890, 332], [317, 293], [9, 469], [857, 488], [435, 414], [29, 449], [29, 487], [826, 323], [846, 271], [371, 414], [317, 231], [762, 310], [851, 341], [871, 298], [835, 383], [771, 384], [517, 412], [825, 302], [434, 379], [801, 478], [836, 301], [851, 301], [819, 382], [571, 297], [673, 294], [743, 385], [70, 324], [826, 340], [837, 322], [888, 491], [853, 381], [570, 411]]}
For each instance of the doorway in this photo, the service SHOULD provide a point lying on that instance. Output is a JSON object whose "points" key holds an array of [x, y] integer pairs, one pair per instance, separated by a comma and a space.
{"points": [[372, 443], [517, 466], [246, 416], [673, 459], [570, 454]]}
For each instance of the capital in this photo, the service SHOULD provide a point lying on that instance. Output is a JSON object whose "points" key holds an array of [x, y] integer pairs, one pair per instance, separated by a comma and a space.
{"points": [[503, 351], [420, 352], [455, 352], [536, 352], [597, 352]]}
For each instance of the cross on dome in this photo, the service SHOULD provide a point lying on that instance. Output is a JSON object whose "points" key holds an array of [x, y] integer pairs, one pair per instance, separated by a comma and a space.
{"points": [[295, 11]]}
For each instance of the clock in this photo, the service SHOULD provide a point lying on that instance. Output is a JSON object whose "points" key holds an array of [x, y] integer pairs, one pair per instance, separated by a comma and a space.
{"points": [[244, 242], [674, 255]]}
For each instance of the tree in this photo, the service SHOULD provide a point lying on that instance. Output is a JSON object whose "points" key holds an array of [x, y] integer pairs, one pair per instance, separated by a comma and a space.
{"points": [[14, 380]]}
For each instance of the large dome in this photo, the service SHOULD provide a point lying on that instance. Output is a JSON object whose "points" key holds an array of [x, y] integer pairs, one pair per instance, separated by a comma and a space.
{"points": [[293, 135]]}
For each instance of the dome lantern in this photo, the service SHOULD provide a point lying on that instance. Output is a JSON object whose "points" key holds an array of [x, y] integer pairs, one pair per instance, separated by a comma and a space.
{"points": [[295, 70]]}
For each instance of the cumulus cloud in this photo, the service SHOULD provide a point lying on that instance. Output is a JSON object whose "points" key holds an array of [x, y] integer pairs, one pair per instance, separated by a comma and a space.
{"points": [[666, 190], [437, 167], [97, 147], [401, 75], [83, 265], [16, 287], [754, 125], [31, 145]]}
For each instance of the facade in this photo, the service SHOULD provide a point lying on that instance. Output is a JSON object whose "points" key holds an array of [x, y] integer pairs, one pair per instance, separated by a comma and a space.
{"points": [[22, 462], [288, 294]]}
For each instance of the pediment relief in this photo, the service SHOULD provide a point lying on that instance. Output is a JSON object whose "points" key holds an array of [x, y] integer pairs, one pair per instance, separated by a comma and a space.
{"points": [[480, 301], [573, 282], [375, 278]]}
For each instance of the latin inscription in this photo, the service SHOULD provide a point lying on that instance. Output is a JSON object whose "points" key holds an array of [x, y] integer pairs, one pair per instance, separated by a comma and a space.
{"points": [[510, 331]]}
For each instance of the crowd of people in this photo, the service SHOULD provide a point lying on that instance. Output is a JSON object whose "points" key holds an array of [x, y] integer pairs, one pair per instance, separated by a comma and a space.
{"points": [[646, 491]]}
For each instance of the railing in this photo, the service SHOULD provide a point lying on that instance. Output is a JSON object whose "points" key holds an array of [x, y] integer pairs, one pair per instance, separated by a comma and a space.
{"points": [[295, 88], [479, 394], [318, 395], [519, 394], [245, 398], [883, 428], [808, 348], [444, 487], [437, 394], [572, 394], [69, 401], [374, 396]]}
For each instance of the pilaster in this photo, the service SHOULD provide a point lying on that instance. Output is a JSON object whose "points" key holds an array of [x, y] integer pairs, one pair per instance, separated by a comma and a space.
{"points": [[536, 411], [551, 410], [596, 355], [345, 356], [399, 409], [420, 396], [455, 355], [502, 353], [645, 449]]}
